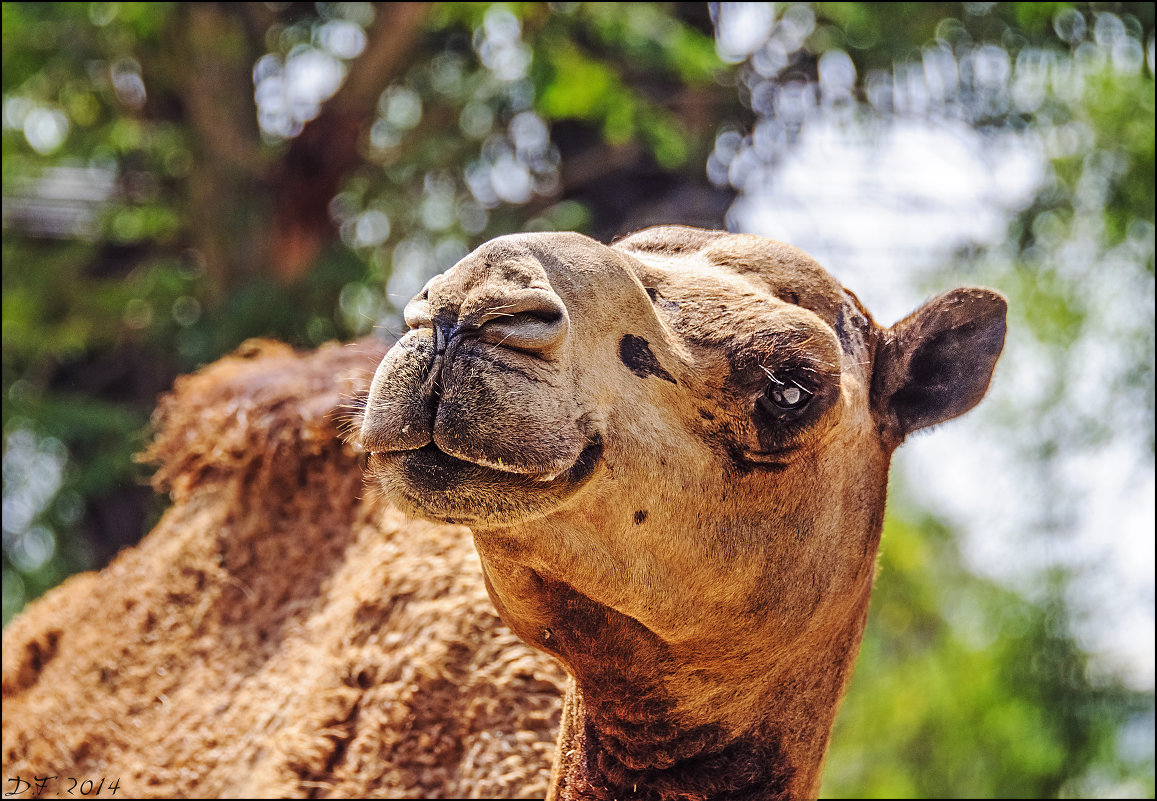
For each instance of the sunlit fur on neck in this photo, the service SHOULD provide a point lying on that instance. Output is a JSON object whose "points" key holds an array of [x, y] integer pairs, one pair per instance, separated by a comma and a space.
{"points": [[624, 735]]}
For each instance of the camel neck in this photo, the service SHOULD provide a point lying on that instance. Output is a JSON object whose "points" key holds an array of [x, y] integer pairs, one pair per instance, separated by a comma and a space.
{"points": [[624, 734], [743, 715]]}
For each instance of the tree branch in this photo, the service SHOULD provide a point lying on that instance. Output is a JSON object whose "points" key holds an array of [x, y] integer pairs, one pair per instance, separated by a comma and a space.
{"points": [[329, 146]]}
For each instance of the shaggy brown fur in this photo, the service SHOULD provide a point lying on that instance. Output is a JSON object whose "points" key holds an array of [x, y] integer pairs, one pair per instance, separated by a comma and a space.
{"points": [[281, 632]]}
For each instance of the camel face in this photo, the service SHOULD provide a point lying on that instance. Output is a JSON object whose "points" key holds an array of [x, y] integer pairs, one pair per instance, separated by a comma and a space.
{"points": [[677, 445]]}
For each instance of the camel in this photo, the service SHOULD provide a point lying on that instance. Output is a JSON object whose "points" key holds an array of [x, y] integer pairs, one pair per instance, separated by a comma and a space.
{"points": [[672, 453], [665, 461]]}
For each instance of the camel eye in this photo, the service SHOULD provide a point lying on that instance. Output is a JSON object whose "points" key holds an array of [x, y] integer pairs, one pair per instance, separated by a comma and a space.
{"points": [[785, 398]]}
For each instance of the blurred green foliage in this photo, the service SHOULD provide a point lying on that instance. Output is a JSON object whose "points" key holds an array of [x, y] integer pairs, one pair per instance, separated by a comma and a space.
{"points": [[968, 690], [166, 196]]}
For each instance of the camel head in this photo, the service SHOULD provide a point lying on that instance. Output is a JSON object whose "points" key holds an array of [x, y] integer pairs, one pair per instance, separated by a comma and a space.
{"points": [[673, 455]]}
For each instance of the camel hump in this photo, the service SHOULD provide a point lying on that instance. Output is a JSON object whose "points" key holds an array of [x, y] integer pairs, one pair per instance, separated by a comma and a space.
{"points": [[251, 410], [281, 632]]}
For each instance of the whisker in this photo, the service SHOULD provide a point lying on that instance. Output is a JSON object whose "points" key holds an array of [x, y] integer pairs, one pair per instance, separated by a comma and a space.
{"points": [[770, 375]]}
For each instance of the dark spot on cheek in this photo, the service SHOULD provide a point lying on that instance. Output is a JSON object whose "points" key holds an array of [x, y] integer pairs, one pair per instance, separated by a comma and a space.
{"points": [[640, 516], [706, 415], [636, 354]]}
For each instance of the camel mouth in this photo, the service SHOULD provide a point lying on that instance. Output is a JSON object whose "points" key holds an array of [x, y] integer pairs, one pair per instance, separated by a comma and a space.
{"points": [[440, 461], [435, 484]]}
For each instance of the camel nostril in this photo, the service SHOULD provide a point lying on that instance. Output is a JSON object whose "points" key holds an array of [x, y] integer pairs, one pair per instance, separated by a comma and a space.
{"points": [[444, 330], [533, 320]]}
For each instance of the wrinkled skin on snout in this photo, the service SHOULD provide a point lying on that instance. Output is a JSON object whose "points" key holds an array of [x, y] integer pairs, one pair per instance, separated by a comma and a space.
{"points": [[672, 451], [481, 413]]}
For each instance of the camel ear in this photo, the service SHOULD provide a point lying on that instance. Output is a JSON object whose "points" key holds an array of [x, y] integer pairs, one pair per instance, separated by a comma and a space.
{"points": [[936, 363]]}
